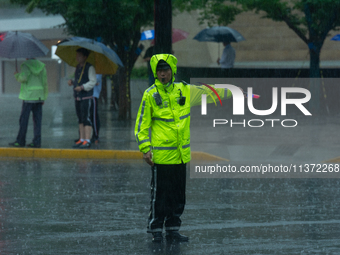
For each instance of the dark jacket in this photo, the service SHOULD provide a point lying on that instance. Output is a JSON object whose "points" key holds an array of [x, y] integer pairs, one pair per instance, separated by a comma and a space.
{"points": [[81, 77]]}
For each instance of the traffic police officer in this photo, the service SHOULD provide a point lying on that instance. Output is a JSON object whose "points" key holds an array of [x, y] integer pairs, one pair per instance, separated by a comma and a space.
{"points": [[165, 108]]}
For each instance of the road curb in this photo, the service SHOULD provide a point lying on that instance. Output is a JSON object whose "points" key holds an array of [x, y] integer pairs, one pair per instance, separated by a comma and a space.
{"points": [[88, 154]]}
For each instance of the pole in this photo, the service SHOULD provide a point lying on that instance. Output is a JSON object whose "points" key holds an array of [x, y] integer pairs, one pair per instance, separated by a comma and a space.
{"points": [[163, 26]]}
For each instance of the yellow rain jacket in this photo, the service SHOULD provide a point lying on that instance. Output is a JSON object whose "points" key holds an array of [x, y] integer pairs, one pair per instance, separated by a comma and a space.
{"points": [[169, 121]]}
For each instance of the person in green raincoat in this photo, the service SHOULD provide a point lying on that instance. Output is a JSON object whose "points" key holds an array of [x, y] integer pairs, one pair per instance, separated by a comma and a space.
{"points": [[33, 92], [165, 108]]}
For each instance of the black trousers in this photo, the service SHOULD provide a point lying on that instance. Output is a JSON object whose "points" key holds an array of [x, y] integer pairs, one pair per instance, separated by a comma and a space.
{"points": [[167, 197], [36, 109]]}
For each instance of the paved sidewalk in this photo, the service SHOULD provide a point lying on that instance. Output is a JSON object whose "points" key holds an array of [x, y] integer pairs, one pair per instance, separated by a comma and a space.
{"points": [[60, 127]]}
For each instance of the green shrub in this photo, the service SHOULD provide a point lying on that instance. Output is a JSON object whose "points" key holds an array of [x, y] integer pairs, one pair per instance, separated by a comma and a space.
{"points": [[139, 73]]}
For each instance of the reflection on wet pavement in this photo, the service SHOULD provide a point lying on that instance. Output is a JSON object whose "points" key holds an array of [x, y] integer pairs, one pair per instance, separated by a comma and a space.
{"points": [[101, 207]]}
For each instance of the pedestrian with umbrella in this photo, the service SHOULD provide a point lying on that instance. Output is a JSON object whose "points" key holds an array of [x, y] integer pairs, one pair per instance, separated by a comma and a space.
{"points": [[83, 83], [33, 79], [223, 34], [90, 58], [33, 92]]}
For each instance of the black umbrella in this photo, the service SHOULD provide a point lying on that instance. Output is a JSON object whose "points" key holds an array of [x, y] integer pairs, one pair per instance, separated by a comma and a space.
{"points": [[219, 34]]}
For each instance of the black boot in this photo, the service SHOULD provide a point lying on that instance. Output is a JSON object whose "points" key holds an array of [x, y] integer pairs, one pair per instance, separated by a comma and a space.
{"points": [[175, 236], [157, 237]]}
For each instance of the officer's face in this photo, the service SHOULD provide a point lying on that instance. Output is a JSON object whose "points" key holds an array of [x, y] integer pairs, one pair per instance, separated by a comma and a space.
{"points": [[164, 75]]}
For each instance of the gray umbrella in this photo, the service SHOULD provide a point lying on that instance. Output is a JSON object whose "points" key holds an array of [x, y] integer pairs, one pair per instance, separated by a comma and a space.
{"points": [[21, 45], [219, 34]]}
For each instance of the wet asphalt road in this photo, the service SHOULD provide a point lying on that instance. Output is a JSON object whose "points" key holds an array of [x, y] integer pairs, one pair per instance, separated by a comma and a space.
{"points": [[101, 207]]}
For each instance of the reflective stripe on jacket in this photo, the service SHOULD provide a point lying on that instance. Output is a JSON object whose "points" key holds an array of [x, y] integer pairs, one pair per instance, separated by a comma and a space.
{"points": [[169, 121]]}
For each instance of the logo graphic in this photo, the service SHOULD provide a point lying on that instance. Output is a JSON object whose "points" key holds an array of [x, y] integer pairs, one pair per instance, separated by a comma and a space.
{"points": [[2, 36], [213, 90], [239, 104], [238, 100]]}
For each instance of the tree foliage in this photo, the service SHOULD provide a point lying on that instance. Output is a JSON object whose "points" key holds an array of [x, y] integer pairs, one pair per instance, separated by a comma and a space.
{"points": [[218, 12], [311, 20]]}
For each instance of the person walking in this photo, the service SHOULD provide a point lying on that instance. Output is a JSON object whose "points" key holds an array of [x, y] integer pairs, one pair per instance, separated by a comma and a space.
{"points": [[165, 108], [83, 83], [33, 92]]}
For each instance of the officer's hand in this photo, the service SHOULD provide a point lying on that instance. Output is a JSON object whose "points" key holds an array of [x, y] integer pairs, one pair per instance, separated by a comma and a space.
{"points": [[147, 158]]}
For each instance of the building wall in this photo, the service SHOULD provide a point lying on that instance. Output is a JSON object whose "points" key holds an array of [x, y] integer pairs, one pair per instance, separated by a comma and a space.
{"points": [[267, 40]]}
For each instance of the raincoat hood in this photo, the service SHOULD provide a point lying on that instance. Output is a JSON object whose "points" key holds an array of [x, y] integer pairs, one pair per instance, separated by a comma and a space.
{"points": [[168, 58], [35, 66]]}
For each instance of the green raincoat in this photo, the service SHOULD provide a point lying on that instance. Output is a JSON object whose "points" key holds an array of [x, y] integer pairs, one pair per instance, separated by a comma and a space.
{"points": [[169, 121], [33, 79]]}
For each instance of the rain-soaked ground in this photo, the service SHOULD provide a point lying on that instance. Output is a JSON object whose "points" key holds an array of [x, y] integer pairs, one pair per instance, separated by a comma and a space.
{"points": [[100, 207]]}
